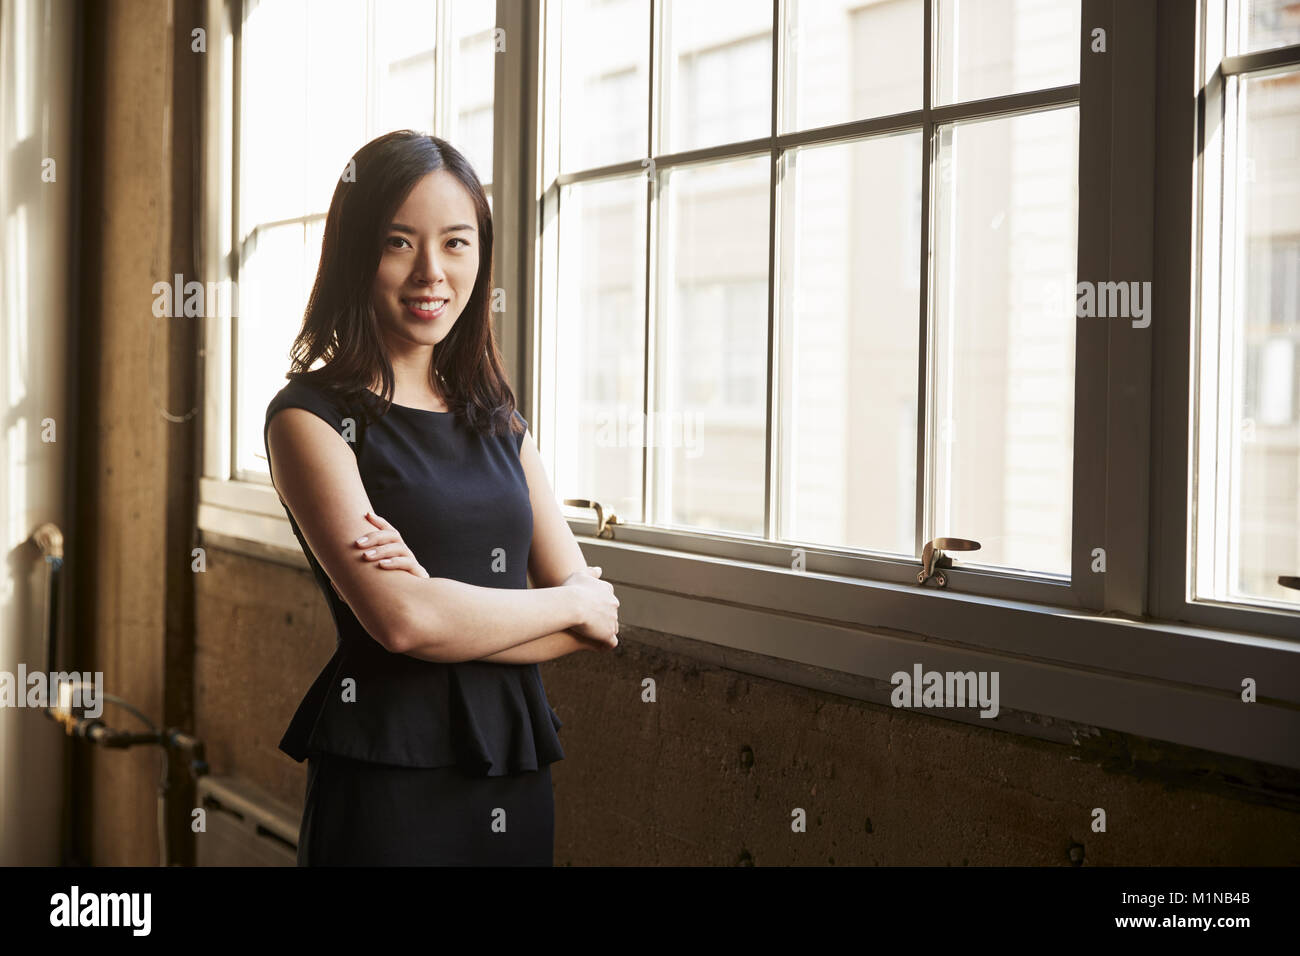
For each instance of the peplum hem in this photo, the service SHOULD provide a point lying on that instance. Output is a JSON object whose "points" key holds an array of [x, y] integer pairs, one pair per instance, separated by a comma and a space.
{"points": [[489, 719]]}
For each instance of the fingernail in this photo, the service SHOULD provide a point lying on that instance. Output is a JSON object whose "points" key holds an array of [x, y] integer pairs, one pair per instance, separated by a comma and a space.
{"points": [[370, 553], [362, 539], [386, 561]]}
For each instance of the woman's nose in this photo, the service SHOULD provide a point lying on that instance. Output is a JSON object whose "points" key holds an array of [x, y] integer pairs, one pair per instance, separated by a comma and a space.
{"points": [[427, 267]]}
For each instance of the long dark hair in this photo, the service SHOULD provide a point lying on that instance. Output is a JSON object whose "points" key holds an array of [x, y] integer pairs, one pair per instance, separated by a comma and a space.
{"points": [[339, 326]]}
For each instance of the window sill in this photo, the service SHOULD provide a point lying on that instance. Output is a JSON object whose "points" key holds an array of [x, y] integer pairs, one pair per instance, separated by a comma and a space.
{"points": [[1173, 682], [247, 518]]}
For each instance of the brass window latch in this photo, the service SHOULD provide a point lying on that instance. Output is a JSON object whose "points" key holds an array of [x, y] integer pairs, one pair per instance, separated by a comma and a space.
{"points": [[933, 558], [604, 527]]}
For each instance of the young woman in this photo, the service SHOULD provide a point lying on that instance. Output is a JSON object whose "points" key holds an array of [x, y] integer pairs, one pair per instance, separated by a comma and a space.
{"points": [[428, 736]]}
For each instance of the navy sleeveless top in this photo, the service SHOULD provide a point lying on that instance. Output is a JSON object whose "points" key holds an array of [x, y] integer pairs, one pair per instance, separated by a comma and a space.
{"points": [[460, 501]]}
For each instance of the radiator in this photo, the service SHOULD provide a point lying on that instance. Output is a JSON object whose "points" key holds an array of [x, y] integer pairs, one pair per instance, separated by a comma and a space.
{"points": [[245, 826]]}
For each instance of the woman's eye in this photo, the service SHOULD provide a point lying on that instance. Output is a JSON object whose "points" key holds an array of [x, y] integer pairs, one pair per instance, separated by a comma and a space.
{"points": [[460, 240], [398, 238]]}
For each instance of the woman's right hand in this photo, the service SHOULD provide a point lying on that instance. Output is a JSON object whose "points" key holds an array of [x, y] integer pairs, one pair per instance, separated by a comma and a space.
{"points": [[597, 606]]}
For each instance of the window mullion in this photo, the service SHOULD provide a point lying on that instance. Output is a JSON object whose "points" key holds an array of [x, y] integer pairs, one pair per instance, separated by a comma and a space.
{"points": [[235, 265], [1089, 530], [928, 155], [650, 359], [1131, 242], [772, 487]]}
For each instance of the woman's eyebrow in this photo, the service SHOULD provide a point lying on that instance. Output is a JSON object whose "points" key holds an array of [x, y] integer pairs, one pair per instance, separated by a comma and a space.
{"points": [[402, 227]]}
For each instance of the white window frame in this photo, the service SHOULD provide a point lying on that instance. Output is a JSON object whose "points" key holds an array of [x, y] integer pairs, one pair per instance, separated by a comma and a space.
{"points": [[1126, 658]]}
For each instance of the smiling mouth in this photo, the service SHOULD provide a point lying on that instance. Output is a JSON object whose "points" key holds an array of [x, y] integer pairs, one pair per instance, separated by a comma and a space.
{"points": [[426, 307]]}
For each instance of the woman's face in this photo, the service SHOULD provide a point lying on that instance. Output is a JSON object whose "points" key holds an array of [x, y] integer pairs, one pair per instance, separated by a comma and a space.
{"points": [[430, 254]]}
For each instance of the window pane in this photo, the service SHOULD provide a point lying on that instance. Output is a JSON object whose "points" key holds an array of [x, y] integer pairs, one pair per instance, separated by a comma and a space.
{"points": [[273, 289], [303, 105], [335, 35], [712, 368], [600, 345], [1266, 24], [851, 291], [472, 82], [718, 73], [1002, 418], [273, 128], [996, 47], [405, 51], [1248, 414], [847, 60], [604, 83]]}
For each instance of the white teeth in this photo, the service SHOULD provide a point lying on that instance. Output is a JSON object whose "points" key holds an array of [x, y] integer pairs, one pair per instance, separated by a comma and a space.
{"points": [[428, 306]]}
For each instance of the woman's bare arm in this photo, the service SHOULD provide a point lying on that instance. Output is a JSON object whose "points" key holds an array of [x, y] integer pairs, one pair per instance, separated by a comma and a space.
{"points": [[542, 649], [315, 473], [554, 554], [537, 651], [552, 557]]}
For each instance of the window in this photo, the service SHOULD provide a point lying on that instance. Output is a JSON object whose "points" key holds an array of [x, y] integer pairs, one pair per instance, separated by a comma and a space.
{"points": [[892, 274], [306, 83], [1246, 422]]}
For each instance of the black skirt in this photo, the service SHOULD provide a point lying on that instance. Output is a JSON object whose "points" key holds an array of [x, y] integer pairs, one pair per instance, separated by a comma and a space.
{"points": [[360, 813]]}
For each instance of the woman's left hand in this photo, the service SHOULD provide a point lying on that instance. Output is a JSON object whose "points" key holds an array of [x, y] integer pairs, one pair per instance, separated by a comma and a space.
{"points": [[386, 548]]}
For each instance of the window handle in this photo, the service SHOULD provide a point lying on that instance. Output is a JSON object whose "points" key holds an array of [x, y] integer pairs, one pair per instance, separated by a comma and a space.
{"points": [[603, 529], [932, 557], [1288, 582]]}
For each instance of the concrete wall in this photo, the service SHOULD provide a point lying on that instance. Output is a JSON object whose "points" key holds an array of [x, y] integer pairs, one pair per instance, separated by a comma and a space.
{"points": [[137, 430]]}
